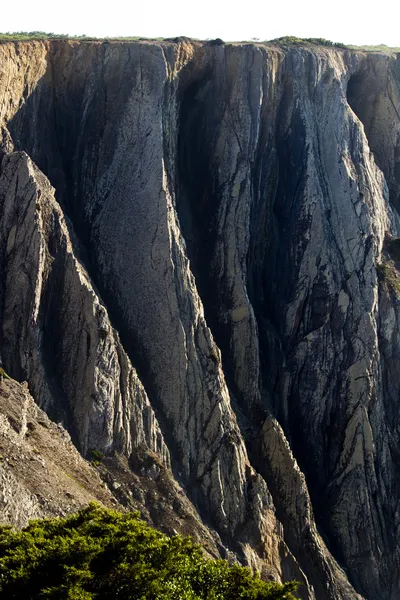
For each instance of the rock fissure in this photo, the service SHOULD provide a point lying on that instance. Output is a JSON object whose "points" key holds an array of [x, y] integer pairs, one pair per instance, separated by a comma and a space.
{"points": [[224, 219]]}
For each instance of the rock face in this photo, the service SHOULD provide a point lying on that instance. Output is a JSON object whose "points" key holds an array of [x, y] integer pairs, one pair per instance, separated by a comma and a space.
{"points": [[210, 279], [41, 472]]}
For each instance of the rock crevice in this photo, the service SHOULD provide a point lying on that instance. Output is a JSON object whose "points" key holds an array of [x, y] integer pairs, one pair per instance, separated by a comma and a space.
{"points": [[210, 283]]}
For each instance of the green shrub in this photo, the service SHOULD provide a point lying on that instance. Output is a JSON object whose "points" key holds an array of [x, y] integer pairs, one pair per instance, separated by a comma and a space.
{"points": [[24, 36], [3, 374], [31, 35], [292, 40], [389, 277], [100, 554], [95, 456], [382, 48]]}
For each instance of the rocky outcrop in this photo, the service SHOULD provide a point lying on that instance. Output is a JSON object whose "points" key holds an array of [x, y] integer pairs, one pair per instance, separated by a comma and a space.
{"points": [[62, 342], [221, 206], [373, 94], [43, 475], [77, 368], [41, 472]]}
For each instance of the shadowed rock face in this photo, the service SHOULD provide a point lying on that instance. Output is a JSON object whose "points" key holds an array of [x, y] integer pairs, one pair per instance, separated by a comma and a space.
{"points": [[221, 206]]}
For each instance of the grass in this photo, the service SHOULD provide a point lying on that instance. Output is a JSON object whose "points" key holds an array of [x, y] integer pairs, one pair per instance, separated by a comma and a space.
{"points": [[389, 277], [78, 483], [95, 457], [381, 48], [292, 40], [27, 36], [21, 36], [289, 40], [3, 374]]}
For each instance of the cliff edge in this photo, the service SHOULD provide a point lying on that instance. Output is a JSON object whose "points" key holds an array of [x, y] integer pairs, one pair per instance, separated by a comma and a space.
{"points": [[199, 268]]}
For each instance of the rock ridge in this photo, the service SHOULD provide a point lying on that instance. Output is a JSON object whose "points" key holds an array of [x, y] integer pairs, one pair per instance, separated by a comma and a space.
{"points": [[214, 282]]}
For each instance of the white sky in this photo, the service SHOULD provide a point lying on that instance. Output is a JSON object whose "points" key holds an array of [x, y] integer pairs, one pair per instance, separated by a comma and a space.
{"points": [[347, 21]]}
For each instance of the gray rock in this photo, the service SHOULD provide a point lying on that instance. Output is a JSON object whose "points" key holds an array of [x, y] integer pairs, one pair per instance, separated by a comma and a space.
{"points": [[222, 203]]}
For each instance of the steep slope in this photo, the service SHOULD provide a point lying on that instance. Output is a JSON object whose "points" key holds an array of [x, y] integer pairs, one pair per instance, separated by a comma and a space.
{"points": [[41, 472], [296, 214], [224, 210], [63, 344], [43, 475]]}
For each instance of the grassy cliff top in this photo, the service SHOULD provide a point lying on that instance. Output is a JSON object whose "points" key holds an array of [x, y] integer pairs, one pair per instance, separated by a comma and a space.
{"points": [[21, 36]]}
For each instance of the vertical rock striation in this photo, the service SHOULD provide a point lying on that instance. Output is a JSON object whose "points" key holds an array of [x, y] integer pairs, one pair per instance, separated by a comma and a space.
{"points": [[296, 214], [55, 330], [223, 209]]}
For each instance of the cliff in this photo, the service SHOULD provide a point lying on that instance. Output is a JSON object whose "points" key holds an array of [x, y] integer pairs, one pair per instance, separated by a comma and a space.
{"points": [[198, 266], [41, 472]]}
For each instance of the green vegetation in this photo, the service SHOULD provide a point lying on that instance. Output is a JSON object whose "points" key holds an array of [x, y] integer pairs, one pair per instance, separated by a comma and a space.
{"points": [[3, 374], [381, 48], [100, 554], [388, 273], [22, 36], [26, 36], [389, 277], [95, 456], [291, 40]]}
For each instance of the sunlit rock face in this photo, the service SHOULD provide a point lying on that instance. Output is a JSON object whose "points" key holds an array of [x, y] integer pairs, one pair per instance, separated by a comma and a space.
{"points": [[198, 261]]}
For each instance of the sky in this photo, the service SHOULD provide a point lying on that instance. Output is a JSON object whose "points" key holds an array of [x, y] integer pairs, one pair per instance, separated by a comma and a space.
{"points": [[357, 22]]}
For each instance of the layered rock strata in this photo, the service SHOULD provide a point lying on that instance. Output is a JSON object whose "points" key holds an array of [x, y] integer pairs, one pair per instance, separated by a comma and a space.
{"points": [[214, 282]]}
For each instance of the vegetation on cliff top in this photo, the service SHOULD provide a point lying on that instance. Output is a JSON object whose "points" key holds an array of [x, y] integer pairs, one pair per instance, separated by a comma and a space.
{"points": [[103, 554], [26, 36], [292, 40], [42, 35], [22, 36]]}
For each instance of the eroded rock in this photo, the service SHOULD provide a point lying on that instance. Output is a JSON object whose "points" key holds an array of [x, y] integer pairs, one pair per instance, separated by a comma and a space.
{"points": [[221, 205]]}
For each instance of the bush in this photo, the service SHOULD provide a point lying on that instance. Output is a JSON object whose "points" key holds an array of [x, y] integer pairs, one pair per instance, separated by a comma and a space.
{"points": [[95, 456], [3, 374], [292, 40], [103, 554], [388, 277]]}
